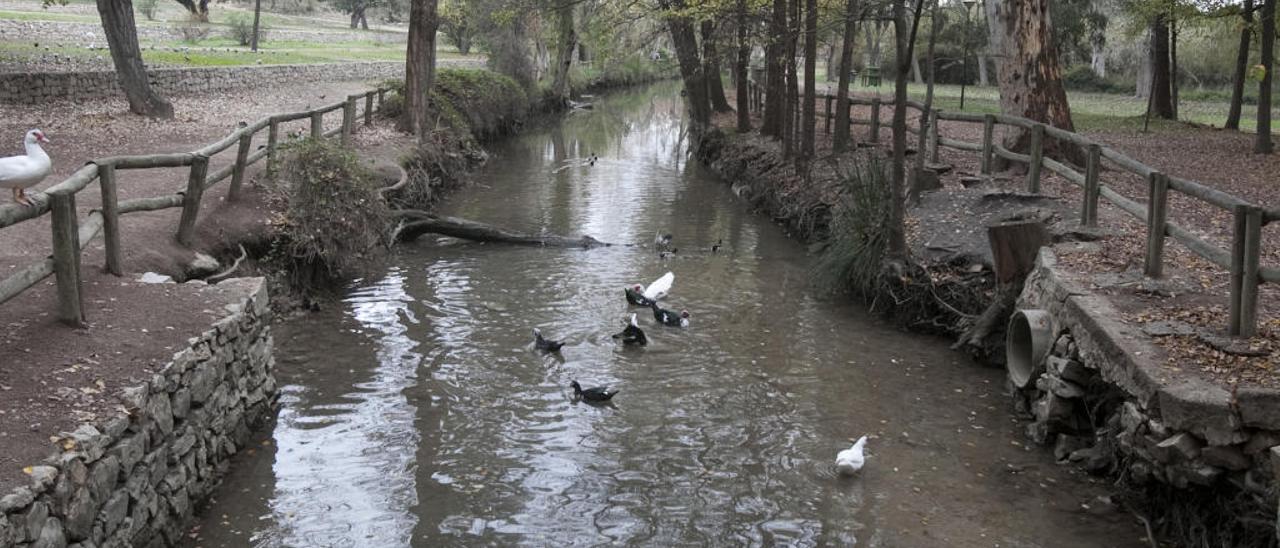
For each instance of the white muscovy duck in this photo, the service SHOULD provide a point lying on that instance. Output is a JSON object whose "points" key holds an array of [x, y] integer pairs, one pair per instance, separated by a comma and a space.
{"points": [[645, 296], [23, 172], [849, 461]]}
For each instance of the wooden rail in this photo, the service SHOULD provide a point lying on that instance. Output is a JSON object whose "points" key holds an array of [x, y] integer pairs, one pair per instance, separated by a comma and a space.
{"points": [[70, 236], [1243, 260]]}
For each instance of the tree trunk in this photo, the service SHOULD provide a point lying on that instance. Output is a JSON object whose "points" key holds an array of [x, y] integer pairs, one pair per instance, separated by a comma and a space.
{"points": [[1143, 87], [840, 137], [982, 71], [775, 103], [565, 43], [1173, 65], [122, 38], [1263, 144], [1097, 49], [740, 70], [454, 227], [935, 25], [685, 41], [905, 39], [711, 68], [199, 11], [793, 81], [831, 60], [1030, 76], [257, 14], [916, 76], [994, 11], [1161, 84], [809, 120], [420, 66], [1242, 68]]}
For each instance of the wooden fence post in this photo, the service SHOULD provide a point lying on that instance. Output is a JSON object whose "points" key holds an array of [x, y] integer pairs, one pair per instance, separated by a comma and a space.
{"points": [[317, 125], [110, 218], [191, 199], [1092, 169], [1037, 159], [827, 114], [66, 258], [237, 171], [273, 138], [1157, 215], [382, 98], [875, 120], [1245, 249], [368, 109], [348, 120], [988, 142]]}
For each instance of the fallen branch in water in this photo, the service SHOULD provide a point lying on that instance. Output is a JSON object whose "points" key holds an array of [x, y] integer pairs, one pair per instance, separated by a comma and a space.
{"points": [[421, 222]]}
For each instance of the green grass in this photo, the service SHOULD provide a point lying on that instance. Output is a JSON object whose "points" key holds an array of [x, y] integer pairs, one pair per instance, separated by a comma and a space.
{"points": [[46, 16]]}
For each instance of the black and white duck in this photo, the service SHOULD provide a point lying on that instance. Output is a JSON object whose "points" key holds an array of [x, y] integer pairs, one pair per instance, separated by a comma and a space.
{"points": [[632, 334], [544, 344], [669, 318], [644, 296], [593, 394]]}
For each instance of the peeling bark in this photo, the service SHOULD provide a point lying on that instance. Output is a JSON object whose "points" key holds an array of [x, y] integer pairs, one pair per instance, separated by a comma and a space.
{"points": [[1030, 76]]}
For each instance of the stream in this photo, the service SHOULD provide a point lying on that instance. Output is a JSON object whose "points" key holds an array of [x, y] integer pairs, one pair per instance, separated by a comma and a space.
{"points": [[418, 413]]}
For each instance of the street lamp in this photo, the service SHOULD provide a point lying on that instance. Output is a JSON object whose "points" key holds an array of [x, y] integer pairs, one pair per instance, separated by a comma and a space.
{"points": [[964, 78]]}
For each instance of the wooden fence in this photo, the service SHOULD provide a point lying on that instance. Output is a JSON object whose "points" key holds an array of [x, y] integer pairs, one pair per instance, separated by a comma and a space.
{"points": [[71, 235], [1242, 260]]}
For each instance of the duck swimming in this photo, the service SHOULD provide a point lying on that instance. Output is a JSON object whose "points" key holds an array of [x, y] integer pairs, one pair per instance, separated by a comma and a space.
{"points": [[544, 344], [849, 461], [644, 296], [593, 394], [632, 334], [669, 318]]}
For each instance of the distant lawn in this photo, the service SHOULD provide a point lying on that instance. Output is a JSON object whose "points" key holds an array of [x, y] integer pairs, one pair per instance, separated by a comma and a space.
{"points": [[227, 52]]}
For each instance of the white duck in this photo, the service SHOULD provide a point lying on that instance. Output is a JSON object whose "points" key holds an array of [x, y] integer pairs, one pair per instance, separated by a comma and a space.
{"points": [[645, 296], [22, 172], [849, 461]]}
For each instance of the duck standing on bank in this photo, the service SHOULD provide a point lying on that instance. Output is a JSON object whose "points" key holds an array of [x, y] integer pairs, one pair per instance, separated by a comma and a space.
{"points": [[23, 172], [632, 334], [669, 318], [849, 461], [644, 296]]}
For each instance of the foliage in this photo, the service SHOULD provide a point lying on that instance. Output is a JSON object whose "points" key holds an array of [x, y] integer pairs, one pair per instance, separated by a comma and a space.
{"points": [[1082, 78], [859, 238], [240, 29], [458, 22], [193, 30], [478, 103], [148, 8], [333, 219]]}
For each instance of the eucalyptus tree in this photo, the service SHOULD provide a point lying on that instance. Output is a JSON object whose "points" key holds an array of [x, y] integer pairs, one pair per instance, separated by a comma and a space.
{"points": [[420, 66], [122, 39]]}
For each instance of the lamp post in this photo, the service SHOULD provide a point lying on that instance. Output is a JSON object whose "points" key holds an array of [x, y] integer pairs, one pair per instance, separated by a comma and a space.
{"points": [[964, 78]]}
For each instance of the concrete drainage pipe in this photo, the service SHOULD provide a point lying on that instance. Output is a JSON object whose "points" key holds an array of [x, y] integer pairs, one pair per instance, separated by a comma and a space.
{"points": [[1030, 335]]}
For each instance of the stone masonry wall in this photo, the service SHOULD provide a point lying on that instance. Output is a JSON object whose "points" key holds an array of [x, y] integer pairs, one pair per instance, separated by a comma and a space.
{"points": [[132, 480], [30, 88], [1104, 401]]}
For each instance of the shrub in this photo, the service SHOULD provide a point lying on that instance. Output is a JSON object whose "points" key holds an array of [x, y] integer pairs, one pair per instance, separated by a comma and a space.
{"points": [[1082, 78], [240, 29], [192, 30], [148, 8], [479, 103], [334, 218], [856, 248]]}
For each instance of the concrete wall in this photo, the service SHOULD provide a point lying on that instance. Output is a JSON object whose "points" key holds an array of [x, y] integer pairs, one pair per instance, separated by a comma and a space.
{"points": [[133, 479], [41, 87]]}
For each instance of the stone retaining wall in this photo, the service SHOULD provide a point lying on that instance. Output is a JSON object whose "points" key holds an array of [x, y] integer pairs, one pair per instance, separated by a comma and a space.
{"points": [[42, 87], [133, 479], [1106, 401], [66, 33]]}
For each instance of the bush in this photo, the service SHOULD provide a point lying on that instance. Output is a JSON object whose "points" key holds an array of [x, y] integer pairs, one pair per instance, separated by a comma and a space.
{"points": [[1082, 78], [479, 103], [240, 29], [148, 8], [334, 218], [855, 251], [192, 30]]}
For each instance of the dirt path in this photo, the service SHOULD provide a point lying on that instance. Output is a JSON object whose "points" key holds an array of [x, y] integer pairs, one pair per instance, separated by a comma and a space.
{"points": [[53, 377]]}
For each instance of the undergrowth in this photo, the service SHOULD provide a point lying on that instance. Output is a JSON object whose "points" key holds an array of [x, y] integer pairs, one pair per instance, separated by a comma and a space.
{"points": [[333, 221], [479, 103], [855, 251]]}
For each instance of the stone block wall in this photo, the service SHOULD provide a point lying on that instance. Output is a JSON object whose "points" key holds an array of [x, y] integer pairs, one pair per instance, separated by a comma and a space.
{"points": [[133, 479], [1105, 401]]}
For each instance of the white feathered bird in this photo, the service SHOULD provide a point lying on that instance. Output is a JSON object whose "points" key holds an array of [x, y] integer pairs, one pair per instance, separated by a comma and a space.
{"points": [[23, 172], [849, 461], [659, 288]]}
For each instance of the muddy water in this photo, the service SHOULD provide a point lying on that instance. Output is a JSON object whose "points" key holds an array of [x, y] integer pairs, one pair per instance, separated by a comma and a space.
{"points": [[418, 413]]}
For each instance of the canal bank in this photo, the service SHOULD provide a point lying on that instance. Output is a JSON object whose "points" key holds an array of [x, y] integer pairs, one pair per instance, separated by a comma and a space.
{"points": [[417, 413], [1199, 460]]}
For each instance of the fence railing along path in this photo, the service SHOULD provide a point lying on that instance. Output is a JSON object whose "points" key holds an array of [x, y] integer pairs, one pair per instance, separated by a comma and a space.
{"points": [[1243, 260], [70, 235]]}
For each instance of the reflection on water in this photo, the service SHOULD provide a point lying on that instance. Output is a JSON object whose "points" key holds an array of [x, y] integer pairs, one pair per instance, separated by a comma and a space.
{"points": [[421, 415]]}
